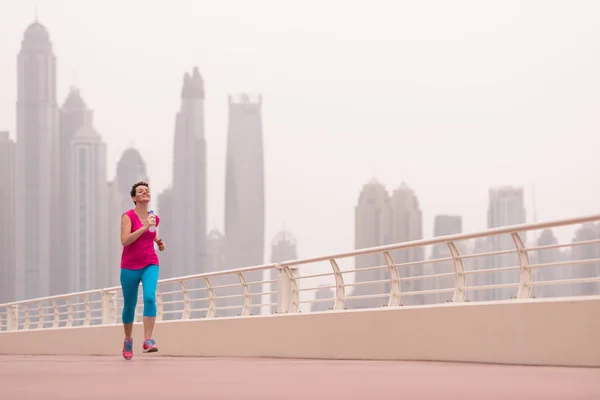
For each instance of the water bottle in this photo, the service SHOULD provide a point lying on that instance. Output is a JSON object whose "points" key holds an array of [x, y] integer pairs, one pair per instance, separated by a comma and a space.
{"points": [[152, 227]]}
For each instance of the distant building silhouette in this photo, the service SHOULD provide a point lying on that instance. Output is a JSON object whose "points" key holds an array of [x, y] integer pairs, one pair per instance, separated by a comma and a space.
{"points": [[215, 248], [381, 220], [245, 190], [407, 225], [115, 248], [443, 225], [586, 232], [37, 182], [7, 218], [372, 228], [188, 214], [322, 294], [544, 256], [506, 207], [131, 168], [88, 205], [165, 232], [72, 118]]}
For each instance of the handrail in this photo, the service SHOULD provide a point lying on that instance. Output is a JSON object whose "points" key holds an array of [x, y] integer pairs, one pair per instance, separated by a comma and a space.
{"points": [[22, 314]]}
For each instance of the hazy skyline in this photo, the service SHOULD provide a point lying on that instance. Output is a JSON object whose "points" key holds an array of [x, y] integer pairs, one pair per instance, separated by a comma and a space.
{"points": [[451, 98]]}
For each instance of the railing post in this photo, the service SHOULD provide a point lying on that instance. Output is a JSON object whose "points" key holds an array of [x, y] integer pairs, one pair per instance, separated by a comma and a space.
{"points": [[212, 302], [109, 308], [340, 289], [56, 322], [395, 288], [69, 312], [287, 289], [12, 317], [27, 317], [283, 290], [88, 311], [460, 292], [41, 316], [524, 270], [247, 305], [187, 304]]}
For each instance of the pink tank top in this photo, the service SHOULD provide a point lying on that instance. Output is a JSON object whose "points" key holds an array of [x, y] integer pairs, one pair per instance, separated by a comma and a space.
{"points": [[140, 253]]}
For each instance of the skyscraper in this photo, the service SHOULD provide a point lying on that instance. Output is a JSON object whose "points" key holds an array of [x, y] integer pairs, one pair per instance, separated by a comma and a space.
{"points": [[7, 218], [380, 220], [165, 232], [443, 225], [506, 207], [587, 232], [406, 226], [188, 244], [372, 218], [215, 249], [36, 164], [544, 256], [245, 187], [88, 205], [72, 116], [131, 168], [115, 248]]}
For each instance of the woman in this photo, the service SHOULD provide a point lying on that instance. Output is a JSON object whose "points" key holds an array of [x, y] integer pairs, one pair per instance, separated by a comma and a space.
{"points": [[139, 263]]}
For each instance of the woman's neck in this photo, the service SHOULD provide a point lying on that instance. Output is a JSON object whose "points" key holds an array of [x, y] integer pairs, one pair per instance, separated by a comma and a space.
{"points": [[141, 209]]}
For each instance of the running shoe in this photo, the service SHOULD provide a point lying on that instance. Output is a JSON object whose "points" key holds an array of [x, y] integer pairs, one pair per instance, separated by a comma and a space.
{"points": [[128, 349], [150, 346]]}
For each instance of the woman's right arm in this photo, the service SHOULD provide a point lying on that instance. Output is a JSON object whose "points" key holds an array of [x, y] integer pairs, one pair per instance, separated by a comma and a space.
{"points": [[128, 237]]}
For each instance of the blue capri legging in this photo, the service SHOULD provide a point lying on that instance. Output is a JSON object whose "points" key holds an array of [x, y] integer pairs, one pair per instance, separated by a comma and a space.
{"points": [[130, 282]]}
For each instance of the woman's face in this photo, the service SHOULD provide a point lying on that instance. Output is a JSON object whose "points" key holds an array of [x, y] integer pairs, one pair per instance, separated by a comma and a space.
{"points": [[142, 194]]}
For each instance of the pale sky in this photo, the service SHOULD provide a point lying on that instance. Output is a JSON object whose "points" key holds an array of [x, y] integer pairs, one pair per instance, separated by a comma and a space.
{"points": [[451, 97]]}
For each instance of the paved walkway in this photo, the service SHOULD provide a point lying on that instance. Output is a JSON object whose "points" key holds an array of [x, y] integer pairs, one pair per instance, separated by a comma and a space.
{"points": [[151, 377]]}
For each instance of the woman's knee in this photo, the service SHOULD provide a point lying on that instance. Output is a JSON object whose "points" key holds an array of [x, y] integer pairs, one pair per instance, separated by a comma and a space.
{"points": [[150, 299], [128, 315], [149, 305]]}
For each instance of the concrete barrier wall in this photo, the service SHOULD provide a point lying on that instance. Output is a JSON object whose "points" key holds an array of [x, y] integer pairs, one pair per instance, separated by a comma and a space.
{"points": [[530, 332]]}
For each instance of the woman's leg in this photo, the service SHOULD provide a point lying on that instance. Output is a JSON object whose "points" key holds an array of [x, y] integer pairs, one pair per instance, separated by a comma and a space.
{"points": [[149, 281], [130, 281]]}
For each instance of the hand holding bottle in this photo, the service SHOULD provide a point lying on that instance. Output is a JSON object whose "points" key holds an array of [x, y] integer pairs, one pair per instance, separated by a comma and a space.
{"points": [[152, 222]]}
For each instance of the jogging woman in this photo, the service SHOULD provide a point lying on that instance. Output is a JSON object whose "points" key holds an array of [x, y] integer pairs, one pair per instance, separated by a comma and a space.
{"points": [[139, 263]]}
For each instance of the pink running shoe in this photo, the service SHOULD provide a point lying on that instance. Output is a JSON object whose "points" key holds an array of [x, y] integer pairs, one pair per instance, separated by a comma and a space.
{"points": [[150, 346], [128, 349]]}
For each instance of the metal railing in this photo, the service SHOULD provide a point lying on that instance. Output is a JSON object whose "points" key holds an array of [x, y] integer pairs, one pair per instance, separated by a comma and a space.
{"points": [[404, 277]]}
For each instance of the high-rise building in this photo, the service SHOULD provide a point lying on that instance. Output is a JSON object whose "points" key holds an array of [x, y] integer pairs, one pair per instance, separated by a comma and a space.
{"points": [[407, 226], [372, 228], [7, 218], [506, 207], [443, 225], [380, 220], [188, 214], [72, 117], [323, 293], [586, 232], [283, 248], [165, 232], [88, 205], [245, 189], [215, 248], [544, 256], [131, 168], [115, 248], [37, 183]]}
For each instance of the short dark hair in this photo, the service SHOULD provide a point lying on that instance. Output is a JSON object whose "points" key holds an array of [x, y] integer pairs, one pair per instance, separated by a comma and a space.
{"points": [[135, 186]]}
